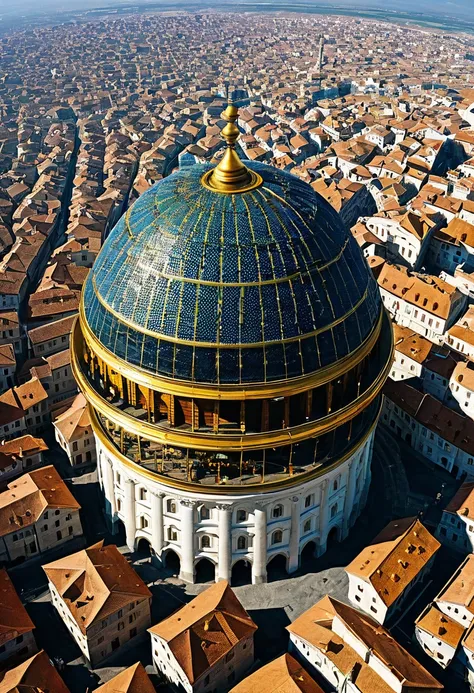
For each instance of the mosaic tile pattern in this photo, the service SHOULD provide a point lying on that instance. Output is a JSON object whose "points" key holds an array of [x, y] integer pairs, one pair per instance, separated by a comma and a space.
{"points": [[254, 287]]}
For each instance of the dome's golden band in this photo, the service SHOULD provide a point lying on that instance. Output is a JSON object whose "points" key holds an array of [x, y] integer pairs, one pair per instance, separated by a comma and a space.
{"points": [[228, 442], [182, 388], [214, 345], [203, 491]]}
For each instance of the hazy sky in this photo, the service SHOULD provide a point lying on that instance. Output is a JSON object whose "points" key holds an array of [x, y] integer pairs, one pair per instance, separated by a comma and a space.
{"points": [[445, 7]]}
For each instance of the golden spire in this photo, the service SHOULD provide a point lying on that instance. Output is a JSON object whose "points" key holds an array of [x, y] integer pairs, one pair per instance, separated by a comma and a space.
{"points": [[231, 175]]}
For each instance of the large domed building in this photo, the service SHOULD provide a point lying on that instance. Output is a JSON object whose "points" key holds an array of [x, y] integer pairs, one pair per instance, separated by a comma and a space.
{"points": [[232, 345]]}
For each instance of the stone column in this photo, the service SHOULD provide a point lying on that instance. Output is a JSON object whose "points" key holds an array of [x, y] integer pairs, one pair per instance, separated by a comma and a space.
{"points": [[259, 566], [323, 517], [294, 561], [349, 497], [225, 542], [109, 492], [130, 514], [187, 541], [157, 529]]}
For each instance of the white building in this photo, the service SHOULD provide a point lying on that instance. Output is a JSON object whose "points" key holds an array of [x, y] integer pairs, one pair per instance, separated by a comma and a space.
{"points": [[100, 598], [439, 635], [330, 634], [461, 335], [423, 303], [217, 623], [406, 237], [456, 527], [451, 246], [73, 431], [386, 571]]}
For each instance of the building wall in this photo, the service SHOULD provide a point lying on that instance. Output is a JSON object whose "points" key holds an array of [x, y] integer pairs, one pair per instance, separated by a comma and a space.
{"points": [[20, 648], [79, 451], [438, 649], [100, 639], [224, 673], [456, 532], [54, 528], [179, 520]]}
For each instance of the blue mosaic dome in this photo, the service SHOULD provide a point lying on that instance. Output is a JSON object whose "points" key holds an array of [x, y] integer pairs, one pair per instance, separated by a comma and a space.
{"points": [[251, 287]]}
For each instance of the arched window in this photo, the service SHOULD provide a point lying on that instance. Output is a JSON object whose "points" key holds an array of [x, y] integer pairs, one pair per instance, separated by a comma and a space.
{"points": [[277, 536], [277, 511], [204, 513], [335, 485], [241, 515], [307, 501], [205, 542], [143, 522], [119, 504], [171, 506], [307, 526], [143, 494], [241, 543], [334, 510], [172, 534]]}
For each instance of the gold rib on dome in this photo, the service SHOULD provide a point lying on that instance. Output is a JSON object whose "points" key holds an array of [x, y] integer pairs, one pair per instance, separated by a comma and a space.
{"points": [[231, 175]]}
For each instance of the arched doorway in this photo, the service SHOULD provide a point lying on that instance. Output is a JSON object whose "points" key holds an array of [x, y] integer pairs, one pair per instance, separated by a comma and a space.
{"points": [[241, 573], [205, 571], [333, 537], [143, 547], [309, 552], [171, 561], [276, 568]]}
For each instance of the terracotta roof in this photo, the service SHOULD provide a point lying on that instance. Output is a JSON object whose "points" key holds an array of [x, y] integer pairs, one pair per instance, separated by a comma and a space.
{"points": [[24, 445], [282, 675], [132, 680], [315, 627], [54, 329], [206, 629], [30, 393], [424, 291], [411, 344], [35, 675], [73, 422], [394, 558], [95, 583], [14, 619], [462, 502], [460, 588], [7, 355], [441, 626], [27, 498]]}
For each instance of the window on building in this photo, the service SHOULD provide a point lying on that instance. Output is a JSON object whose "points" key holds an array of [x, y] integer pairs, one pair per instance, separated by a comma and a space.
{"points": [[277, 511], [229, 656], [143, 494], [205, 542], [143, 522], [241, 543], [241, 515], [334, 510], [59, 535], [335, 485], [307, 501], [277, 536], [171, 506], [307, 526], [204, 513], [172, 534]]}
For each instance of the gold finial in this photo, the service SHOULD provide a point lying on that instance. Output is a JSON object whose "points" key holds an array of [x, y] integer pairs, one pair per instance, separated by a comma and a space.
{"points": [[231, 175]]}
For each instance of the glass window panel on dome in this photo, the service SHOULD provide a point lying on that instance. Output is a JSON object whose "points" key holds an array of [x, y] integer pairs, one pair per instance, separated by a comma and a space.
{"points": [[277, 261], [211, 263], [165, 357], [275, 366], [327, 349], [248, 264], [304, 312], [206, 319], [183, 362], [342, 333], [205, 365], [341, 300], [315, 289], [293, 359], [230, 263], [156, 313], [287, 307], [188, 307], [272, 319], [149, 353], [231, 312], [229, 365], [252, 365], [193, 259], [310, 356], [172, 308], [266, 271], [251, 328], [133, 351]]}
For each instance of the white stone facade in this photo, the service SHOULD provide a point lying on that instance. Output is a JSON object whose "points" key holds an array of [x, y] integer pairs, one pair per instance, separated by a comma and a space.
{"points": [[228, 528]]}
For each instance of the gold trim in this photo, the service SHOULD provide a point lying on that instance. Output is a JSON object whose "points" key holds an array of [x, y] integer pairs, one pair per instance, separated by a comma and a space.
{"points": [[228, 442], [267, 487], [182, 388], [214, 345]]}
